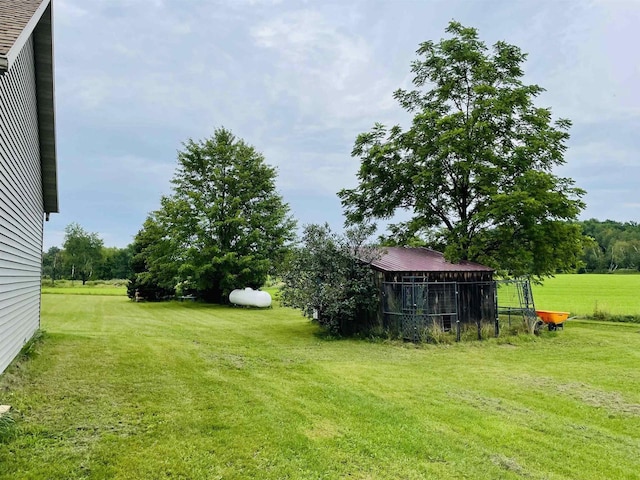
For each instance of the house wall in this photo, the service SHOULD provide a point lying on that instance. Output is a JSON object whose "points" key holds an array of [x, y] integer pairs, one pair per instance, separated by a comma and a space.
{"points": [[21, 207]]}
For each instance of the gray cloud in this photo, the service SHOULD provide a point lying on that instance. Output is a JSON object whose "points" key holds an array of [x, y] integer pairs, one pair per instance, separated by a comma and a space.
{"points": [[299, 81]]}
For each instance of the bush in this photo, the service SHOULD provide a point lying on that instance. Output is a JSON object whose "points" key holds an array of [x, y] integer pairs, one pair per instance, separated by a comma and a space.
{"points": [[30, 349], [329, 283], [147, 288], [599, 314]]}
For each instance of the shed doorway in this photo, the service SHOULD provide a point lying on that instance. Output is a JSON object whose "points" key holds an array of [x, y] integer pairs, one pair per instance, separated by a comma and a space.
{"points": [[414, 305]]}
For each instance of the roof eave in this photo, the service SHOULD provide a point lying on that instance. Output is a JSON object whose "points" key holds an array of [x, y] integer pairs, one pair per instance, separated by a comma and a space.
{"points": [[385, 270], [43, 52]]}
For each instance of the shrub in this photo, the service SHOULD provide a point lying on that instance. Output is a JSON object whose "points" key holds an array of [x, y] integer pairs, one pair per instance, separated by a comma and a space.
{"points": [[330, 280], [7, 428], [147, 288], [599, 314]]}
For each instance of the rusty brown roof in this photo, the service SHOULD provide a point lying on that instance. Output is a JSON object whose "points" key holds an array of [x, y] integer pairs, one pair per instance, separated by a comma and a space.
{"points": [[407, 259], [16, 17]]}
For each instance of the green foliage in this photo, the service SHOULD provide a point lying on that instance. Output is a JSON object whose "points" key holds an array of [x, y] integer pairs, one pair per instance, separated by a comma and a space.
{"points": [[7, 428], [52, 263], [224, 227], [513, 327], [434, 333], [327, 282], [30, 349], [607, 317], [154, 267], [613, 246], [476, 167], [104, 263], [82, 252], [115, 263]]}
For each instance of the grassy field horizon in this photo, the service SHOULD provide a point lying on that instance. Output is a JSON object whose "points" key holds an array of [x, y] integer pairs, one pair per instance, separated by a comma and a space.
{"points": [[587, 294], [582, 295], [184, 390]]}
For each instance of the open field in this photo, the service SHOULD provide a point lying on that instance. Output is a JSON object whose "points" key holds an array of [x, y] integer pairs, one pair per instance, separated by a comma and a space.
{"points": [[581, 295], [86, 290], [584, 294], [101, 287], [182, 390]]}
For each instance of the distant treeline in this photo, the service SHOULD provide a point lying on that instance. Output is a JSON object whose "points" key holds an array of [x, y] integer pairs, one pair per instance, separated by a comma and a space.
{"points": [[611, 246], [110, 263], [83, 257]]}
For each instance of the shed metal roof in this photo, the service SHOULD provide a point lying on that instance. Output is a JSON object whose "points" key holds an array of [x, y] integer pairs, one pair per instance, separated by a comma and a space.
{"points": [[19, 19], [406, 259]]}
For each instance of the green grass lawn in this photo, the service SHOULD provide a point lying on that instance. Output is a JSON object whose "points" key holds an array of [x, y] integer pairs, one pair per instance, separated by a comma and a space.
{"points": [[584, 294], [182, 390]]}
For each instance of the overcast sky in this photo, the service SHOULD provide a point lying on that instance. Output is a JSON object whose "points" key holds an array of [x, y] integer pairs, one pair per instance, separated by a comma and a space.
{"points": [[299, 80]]}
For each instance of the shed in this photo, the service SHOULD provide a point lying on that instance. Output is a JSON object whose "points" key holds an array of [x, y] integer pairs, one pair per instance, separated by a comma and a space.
{"points": [[419, 288], [28, 179]]}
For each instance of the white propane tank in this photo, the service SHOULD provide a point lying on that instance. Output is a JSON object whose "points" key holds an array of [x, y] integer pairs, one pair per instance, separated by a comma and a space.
{"points": [[250, 298]]}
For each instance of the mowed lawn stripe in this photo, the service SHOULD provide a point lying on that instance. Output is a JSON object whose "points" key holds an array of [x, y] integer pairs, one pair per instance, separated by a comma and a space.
{"points": [[142, 390]]}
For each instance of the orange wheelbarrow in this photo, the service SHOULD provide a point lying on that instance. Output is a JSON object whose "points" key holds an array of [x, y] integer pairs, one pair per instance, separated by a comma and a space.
{"points": [[553, 320]]}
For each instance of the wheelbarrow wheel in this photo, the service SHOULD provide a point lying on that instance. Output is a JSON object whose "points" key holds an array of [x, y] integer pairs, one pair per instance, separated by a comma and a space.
{"points": [[538, 327]]}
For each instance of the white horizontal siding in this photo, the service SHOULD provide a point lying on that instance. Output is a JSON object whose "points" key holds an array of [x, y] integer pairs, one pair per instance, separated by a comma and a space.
{"points": [[21, 209]]}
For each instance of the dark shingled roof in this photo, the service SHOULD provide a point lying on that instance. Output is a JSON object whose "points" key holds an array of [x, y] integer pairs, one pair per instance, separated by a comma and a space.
{"points": [[405, 259], [15, 16]]}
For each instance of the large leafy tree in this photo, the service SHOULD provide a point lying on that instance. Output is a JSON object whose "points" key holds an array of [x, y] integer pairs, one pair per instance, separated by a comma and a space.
{"points": [[153, 263], [475, 169], [82, 251], [225, 226]]}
